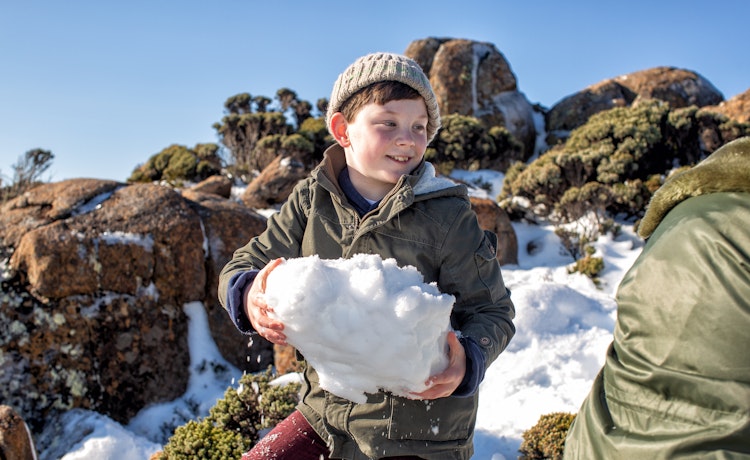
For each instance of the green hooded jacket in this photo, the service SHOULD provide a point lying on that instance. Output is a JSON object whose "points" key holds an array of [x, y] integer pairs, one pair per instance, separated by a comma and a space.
{"points": [[426, 222], [676, 379]]}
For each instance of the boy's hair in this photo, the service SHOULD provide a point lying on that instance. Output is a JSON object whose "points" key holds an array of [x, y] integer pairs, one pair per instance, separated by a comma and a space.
{"points": [[380, 93], [381, 67]]}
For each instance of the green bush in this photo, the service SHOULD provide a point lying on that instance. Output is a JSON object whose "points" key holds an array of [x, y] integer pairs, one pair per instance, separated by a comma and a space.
{"points": [[610, 148], [241, 132], [589, 266], [546, 439], [314, 129], [464, 142], [541, 182], [577, 201], [181, 165], [508, 149], [576, 239], [234, 424], [275, 145], [177, 163], [575, 242], [619, 154], [204, 440], [296, 145], [255, 405]]}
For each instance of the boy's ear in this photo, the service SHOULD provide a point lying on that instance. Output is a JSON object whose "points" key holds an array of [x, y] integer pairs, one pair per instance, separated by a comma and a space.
{"points": [[339, 129]]}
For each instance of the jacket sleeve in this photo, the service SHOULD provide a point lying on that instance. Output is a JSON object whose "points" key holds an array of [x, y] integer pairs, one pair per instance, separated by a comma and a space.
{"points": [[475, 369], [234, 305], [470, 271], [281, 239]]}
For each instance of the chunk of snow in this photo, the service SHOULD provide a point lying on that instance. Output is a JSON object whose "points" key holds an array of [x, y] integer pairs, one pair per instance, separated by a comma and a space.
{"points": [[363, 323]]}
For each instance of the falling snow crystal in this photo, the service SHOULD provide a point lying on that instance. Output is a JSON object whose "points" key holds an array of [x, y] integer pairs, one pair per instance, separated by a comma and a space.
{"points": [[363, 323]]}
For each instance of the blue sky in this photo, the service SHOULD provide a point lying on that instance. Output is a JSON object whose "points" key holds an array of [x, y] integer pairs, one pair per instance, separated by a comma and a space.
{"points": [[104, 85]]}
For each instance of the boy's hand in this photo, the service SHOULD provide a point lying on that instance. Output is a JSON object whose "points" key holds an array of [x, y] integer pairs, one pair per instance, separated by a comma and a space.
{"points": [[445, 383], [257, 310]]}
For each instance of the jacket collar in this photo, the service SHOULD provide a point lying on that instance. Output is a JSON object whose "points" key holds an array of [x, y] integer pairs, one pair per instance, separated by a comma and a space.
{"points": [[725, 170]]}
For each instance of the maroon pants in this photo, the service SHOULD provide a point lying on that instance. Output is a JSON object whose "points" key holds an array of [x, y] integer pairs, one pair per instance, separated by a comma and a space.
{"points": [[294, 439]]}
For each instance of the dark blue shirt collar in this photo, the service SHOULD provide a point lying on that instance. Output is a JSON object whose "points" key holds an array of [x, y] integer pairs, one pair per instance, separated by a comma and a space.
{"points": [[355, 198]]}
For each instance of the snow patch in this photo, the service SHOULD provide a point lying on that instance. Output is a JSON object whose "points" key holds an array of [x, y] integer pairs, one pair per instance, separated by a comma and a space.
{"points": [[118, 237], [93, 204]]}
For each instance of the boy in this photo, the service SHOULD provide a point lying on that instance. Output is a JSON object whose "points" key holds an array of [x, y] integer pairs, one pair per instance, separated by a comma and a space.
{"points": [[374, 193]]}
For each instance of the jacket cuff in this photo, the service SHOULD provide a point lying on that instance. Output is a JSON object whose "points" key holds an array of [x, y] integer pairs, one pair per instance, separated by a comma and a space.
{"points": [[474, 369], [235, 307]]}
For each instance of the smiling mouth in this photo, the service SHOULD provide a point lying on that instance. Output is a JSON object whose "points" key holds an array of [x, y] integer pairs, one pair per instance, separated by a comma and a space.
{"points": [[400, 159]]}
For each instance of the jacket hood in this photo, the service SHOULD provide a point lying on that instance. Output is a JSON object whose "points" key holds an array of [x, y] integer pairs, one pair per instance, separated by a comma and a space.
{"points": [[429, 181], [725, 170]]}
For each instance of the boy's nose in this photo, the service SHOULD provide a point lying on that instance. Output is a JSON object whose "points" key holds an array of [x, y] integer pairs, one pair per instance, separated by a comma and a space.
{"points": [[406, 137]]}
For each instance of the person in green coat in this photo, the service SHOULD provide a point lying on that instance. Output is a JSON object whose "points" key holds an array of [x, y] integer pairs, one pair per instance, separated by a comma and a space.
{"points": [[676, 379], [374, 193]]}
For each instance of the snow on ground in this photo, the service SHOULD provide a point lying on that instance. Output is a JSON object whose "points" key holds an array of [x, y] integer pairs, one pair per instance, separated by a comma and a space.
{"points": [[564, 325]]}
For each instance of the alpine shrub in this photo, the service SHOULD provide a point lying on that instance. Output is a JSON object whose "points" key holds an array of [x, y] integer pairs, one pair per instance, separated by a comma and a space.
{"points": [[614, 160], [590, 266], [236, 422], [177, 163], [204, 440], [464, 142], [546, 439], [254, 406]]}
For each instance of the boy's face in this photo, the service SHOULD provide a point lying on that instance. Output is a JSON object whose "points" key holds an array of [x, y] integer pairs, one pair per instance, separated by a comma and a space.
{"points": [[385, 142]]}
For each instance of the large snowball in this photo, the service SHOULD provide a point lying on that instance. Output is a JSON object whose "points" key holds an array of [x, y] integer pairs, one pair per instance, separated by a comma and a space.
{"points": [[363, 323]]}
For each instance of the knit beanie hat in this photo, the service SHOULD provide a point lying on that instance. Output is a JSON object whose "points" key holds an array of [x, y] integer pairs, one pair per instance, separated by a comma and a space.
{"points": [[377, 67]]}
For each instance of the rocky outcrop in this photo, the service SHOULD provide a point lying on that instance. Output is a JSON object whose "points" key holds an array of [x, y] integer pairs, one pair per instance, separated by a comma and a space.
{"points": [[574, 110], [113, 354], [274, 184], [51, 202], [216, 185], [423, 51], [493, 218], [473, 78], [140, 234], [91, 314], [737, 108], [678, 87], [228, 225]]}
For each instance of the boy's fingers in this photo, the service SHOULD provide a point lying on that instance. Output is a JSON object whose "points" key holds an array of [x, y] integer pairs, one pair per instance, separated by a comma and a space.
{"points": [[267, 269], [274, 336], [434, 392]]}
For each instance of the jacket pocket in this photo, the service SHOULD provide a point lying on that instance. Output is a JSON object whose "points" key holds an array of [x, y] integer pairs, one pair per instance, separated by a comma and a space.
{"points": [[444, 419]]}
